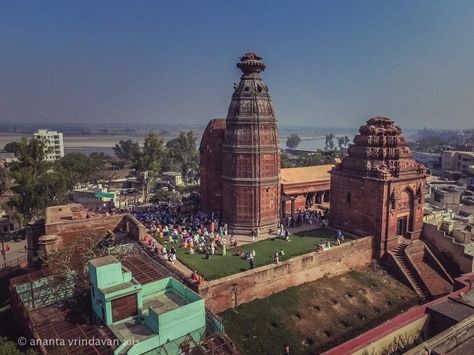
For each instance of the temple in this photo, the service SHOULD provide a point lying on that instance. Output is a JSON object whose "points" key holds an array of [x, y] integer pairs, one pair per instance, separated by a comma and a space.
{"points": [[250, 162], [379, 189]]}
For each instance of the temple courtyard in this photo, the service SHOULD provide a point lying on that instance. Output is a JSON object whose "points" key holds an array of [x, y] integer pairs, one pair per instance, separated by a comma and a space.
{"points": [[319, 315], [219, 265]]}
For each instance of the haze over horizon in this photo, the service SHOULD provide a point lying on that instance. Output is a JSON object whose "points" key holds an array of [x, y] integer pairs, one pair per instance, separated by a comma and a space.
{"points": [[329, 63]]}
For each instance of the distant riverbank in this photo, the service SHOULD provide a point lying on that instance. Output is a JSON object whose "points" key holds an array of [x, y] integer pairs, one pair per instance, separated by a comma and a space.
{"points": [[105, 143]]}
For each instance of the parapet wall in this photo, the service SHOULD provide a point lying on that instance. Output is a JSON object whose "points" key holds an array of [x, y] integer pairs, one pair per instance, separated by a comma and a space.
{"points": [[72, 229], [261, 282], [449, 246]]}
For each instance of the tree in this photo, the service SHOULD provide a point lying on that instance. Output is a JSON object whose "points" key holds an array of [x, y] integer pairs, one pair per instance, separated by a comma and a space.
{"points": [[329, 141], [147, 164], [430, 144], [183, 155], [8, 347], [285, 161], [3, 180], [97, 165], [293, 141], [11, 147], [126, 150], [82, 168], [342, 142], [163, 196], [319, 157], [76, 167], [37, 183]]}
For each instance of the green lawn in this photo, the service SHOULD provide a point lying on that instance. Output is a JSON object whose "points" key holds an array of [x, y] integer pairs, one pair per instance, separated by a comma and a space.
{"points": [[219, 266]]}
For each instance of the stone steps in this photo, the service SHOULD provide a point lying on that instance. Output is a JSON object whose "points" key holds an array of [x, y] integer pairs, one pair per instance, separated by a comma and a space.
{"points": [[399, 253]]}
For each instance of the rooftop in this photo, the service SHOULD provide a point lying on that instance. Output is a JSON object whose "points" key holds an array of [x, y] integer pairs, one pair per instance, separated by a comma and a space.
{"points": [[105, 260], [306, 174]]}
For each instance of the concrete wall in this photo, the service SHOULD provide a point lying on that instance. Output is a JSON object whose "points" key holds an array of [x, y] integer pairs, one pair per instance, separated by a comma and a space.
{"points": [[408, 333], [448, 245], [261, 282], [454, 338], [432, 273]]}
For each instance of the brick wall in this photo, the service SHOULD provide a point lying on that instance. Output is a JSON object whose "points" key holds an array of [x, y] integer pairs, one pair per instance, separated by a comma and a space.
{"points": [[73, 229], [447, 245], [261, 282]]}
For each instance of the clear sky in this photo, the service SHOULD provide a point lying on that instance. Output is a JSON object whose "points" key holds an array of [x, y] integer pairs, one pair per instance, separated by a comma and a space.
{"points": [[328, 62]]}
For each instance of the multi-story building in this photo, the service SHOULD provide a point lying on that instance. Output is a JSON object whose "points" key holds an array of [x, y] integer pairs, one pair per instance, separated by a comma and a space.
{"points": [[54, 143], [456, 160], [430, 160]]}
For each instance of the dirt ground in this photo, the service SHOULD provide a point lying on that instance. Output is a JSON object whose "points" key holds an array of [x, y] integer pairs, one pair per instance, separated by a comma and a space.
{"points": [[319, 315]]}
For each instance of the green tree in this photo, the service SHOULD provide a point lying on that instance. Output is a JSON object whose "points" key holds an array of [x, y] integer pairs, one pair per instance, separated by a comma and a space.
{"points": [[319, 157], [147, 164], [3, 180], [163, 196], [430, 144], [126, 150], [76, 167], [183, 156], [98, 165], [285, 161], [37, 183], [293, 141], [342, 142], [8, 347], [11, 147], [82, 168]]}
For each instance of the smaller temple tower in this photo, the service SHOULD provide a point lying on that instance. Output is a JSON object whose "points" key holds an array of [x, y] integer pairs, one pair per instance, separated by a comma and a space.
{"points": [[210, 165], [379, 189]]}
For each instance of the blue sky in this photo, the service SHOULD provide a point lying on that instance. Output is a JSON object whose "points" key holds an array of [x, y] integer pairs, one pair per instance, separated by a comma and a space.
{"points": [[328, 62]]}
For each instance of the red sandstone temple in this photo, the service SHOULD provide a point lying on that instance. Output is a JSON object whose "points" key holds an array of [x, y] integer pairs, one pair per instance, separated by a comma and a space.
{"points": [[240, 162], [379, 189]]}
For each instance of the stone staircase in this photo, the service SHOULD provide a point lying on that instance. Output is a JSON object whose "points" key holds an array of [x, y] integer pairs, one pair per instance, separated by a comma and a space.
{"points": [[408, 270]]}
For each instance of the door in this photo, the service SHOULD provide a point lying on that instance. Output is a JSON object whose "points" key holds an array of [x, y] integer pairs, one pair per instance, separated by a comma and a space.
{"points": [[402, 226]]}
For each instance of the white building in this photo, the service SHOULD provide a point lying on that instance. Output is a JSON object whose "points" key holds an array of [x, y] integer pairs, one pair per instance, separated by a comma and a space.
{"points": [[54, 143]]}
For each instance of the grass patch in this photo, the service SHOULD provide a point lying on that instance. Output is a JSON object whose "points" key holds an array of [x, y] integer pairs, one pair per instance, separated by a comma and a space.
{"points": [[219, 266], [363, 278], [316, 316]]}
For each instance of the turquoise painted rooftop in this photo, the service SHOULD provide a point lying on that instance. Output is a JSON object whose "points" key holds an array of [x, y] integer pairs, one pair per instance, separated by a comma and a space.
{"points": [[144, 317]]}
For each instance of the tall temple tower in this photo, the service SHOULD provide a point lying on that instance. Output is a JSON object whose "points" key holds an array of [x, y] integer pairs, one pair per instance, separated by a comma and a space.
{"points": [[379, 189], [251, 160]]}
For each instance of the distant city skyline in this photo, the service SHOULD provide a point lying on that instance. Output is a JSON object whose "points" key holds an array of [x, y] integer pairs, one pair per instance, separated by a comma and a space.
{"points": [[329, 63]]}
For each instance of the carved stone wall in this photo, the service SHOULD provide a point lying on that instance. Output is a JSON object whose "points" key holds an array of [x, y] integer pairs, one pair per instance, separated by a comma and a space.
{"points": [[379, 188], [251, 162]]}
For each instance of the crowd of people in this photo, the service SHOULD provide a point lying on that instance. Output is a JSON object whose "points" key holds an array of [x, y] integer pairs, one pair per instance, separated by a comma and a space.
{"points": [[206, 234], [308, 216], [198, 233]]}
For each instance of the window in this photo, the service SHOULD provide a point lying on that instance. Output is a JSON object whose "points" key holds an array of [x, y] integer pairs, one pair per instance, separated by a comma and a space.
{"points": [[349, 197]]}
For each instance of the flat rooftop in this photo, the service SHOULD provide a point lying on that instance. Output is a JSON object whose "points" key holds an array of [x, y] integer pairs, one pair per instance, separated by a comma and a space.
{"points": [[65, 213], [133, 329], [164, 302]]}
